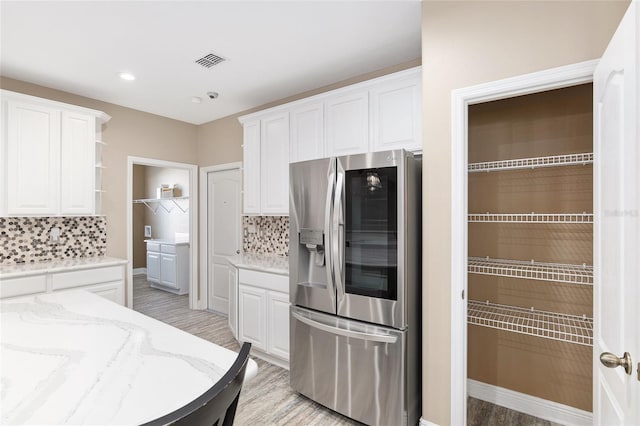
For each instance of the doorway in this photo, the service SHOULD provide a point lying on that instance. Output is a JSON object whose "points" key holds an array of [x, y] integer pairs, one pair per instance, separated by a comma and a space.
{"points": [[162, 228], [221, 210], [462, 99]]}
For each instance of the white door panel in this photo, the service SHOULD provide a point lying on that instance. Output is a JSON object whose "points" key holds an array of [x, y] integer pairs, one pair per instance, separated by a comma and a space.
{"points": [[224, 239], [617, 227]]}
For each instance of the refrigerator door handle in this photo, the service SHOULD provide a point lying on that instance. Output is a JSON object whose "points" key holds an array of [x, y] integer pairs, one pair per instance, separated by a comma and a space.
{"points": [[331, 186], [380, 338], [337, 237]]}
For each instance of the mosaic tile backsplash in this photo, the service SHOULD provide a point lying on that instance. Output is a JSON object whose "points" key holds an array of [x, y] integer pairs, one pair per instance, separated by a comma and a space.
{"points": [[26, 239], [271, 234]]}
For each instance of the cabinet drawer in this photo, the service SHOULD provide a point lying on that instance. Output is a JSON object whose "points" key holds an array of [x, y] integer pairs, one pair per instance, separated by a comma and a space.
{"points": [[166, 248], [264, 280], [23, 286], [153, 247], [86, 277]]}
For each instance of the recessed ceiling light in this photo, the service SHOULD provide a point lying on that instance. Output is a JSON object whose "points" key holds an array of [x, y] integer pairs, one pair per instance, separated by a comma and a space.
{"points": [[196, 99], [127, 76]]}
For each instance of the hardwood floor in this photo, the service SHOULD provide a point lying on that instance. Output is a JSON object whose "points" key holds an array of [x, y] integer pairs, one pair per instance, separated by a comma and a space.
{"points": [[268, 399]]}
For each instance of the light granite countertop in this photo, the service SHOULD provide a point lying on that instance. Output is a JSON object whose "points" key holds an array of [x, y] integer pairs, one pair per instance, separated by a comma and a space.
{"points": [[261, 262], [27, 269], [76, 358]]}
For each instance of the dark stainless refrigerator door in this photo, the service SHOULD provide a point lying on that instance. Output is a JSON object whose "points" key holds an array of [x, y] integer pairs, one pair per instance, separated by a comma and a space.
{"points": [[354, 368], [369, 226], [312, 187]]}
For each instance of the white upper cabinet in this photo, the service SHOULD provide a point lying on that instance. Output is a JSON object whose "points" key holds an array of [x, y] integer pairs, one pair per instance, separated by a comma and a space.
{"points": [[395, 114], [251, 167], [77, 163], [33, 159], [375, 115], [266, 165], [348, 123], [274, 164], [307, 132], [47, 157]]}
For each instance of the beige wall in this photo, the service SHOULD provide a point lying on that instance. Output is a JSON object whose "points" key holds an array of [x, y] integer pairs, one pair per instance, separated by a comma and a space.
{"points": [[466, 43], [129, 132], [138, 218]]}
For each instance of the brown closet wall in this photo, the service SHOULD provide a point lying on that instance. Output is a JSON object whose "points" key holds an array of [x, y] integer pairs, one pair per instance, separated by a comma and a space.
{"points": [[543, 124]]}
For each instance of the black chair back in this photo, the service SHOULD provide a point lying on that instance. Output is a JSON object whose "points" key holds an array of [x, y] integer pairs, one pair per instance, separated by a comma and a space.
{"points": [[217, 406]]}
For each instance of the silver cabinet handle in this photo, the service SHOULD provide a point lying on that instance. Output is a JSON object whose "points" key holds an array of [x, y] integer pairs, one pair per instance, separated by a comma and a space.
{"points": [[612, 361], [381, 338]]}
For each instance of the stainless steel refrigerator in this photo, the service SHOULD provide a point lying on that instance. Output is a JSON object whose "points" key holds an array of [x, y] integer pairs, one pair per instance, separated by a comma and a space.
{"points": [[354, 268]]}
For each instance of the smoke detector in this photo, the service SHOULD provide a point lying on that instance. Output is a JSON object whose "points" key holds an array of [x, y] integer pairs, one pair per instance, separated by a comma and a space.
{"points": [[209, 60]]}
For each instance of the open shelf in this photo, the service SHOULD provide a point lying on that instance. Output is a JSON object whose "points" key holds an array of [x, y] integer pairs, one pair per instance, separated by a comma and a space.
{"points": [[531, 217], [166, 204], [548, 325], [530, 270], [533, 163]]}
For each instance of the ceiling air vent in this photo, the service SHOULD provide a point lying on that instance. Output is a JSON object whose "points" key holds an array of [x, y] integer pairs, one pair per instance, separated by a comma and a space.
{"points": [[209, 60]]}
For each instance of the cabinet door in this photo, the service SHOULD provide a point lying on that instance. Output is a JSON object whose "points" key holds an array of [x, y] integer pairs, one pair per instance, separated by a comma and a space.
{"points": [[252, 312], [33, 159], [168, 270], [348, 124], [396, 111], [251, 168], [307, 132], [153, 266], [278, 320], [77, 173], [233, 301], [274, 155]]}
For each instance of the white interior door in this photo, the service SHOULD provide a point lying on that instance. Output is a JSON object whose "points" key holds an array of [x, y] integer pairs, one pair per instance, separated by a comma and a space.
{"points": [[225, 238], [617, 227]]}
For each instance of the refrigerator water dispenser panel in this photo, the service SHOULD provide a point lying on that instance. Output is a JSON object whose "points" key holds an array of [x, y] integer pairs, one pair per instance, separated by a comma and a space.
{"points": [[313, 240]]}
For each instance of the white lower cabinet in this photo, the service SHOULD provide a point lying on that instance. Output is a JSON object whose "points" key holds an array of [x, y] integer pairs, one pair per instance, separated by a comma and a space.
{"points": [[233, 300], [105, 281], [263, 314], [168, 266]]}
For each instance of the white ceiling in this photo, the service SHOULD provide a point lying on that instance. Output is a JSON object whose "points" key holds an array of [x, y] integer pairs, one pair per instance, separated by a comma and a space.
{"points": [[273, 49]]}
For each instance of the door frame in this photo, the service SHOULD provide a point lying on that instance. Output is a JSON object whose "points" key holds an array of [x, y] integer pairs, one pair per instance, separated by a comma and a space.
{"points": [[554, 78], [204, 229], [195, 290]]}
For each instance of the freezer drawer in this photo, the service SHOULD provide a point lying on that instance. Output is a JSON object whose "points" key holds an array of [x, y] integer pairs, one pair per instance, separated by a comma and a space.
{"points": [[354, 368]]}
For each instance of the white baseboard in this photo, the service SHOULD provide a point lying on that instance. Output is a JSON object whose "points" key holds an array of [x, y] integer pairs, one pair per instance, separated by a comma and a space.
{"points": [[139, 271], [534, 406], [424, 422]]}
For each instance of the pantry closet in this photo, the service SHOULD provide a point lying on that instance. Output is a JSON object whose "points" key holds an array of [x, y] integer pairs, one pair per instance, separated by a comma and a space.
{"points": [[530, 246]]}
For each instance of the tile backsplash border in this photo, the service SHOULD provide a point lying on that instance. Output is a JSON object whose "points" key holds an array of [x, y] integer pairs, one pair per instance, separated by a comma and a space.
{"points": [[265, 235], [25, 239]]}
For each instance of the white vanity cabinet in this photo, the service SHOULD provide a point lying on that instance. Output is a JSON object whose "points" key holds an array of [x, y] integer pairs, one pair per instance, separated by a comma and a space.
{"points": [[168, 265], [48, 156], [104, 277], [263, 314]]}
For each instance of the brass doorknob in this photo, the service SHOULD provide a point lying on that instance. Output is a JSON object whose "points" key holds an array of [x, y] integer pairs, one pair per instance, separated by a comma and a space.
{"points": [[612, 361]]}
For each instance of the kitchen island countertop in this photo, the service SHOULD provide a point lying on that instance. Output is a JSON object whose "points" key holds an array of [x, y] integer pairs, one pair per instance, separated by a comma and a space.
{"points": [[75, 358]]}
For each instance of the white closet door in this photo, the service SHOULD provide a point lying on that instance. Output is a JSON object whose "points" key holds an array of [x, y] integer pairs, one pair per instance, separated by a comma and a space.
{"points": [[617, 225], [77, 173], [33, 159]]}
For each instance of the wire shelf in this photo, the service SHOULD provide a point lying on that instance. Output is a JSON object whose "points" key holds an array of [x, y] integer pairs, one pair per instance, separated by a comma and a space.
{"points": [[531, 217], [548, 325], [531, 270], [533, 163], [166, 204]]}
